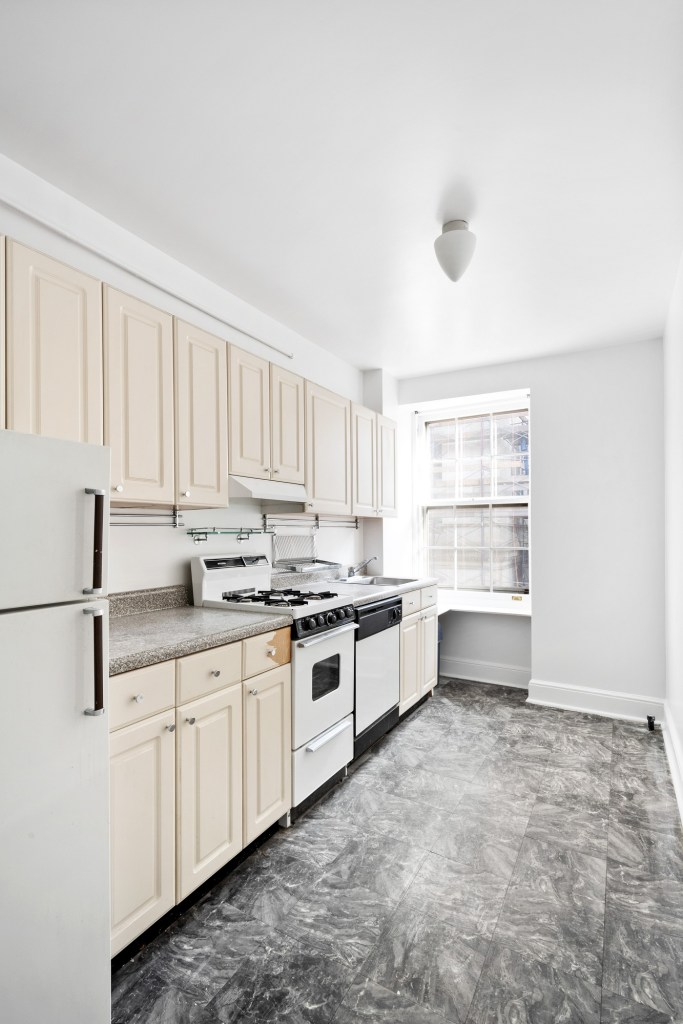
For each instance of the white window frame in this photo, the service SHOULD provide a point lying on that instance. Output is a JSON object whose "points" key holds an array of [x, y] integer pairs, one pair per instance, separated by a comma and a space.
{"points": [[511, 401]]}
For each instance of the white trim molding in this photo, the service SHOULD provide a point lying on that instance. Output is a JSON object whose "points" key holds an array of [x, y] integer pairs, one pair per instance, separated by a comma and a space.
{"points": [[485, 671], [673, 744], [611, 703]]}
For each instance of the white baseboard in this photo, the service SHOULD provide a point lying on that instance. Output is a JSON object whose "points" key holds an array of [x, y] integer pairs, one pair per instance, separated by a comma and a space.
{"points": [[485, 671], [673, 743], [611, 703]]}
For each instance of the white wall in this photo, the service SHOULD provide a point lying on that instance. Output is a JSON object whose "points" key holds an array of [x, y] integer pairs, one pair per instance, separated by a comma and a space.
{"points": [[597, 511], [41, 216], [489, 648], [673, 383]]}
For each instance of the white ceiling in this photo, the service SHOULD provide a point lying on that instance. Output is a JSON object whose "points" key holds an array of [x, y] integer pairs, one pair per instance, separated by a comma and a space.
{"points": [[303, 154]]}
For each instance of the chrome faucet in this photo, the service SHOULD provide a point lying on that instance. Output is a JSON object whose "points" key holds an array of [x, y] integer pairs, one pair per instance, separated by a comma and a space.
{"points": [[355, 569]]}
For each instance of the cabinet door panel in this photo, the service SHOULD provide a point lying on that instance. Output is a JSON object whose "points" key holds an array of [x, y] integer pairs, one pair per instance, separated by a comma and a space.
{"points": [[287, 425], [201, 380], [386, 466], [2, 332], [267, 750], [410, 663], [138, 342], [364, 453], [209, 820], [142, 826], [429, 622], [249, 414], [54, 348], [328, 451]]}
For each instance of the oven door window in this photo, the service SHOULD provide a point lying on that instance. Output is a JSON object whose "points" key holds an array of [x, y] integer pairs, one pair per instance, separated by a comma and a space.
{"points": [[326, 676]]}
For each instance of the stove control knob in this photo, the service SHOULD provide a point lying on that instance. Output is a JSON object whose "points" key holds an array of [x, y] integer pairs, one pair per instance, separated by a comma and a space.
{"points": [[331, 617], [321, 620], [310, 623], [350, 612], [341, 613]]}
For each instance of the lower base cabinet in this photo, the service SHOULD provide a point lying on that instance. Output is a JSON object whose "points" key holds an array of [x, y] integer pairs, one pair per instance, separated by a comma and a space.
{"points": [[193, 785], [418, 650]]}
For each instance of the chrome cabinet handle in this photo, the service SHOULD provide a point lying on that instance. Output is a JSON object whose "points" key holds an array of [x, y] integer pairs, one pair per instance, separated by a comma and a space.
{"points": [[254, 693], [327, 636], [138, 698], [186, 494], [170, 728], [190, 721], [271, 652], [119, 488], [98, 542], [216, 672], [98, 661]]}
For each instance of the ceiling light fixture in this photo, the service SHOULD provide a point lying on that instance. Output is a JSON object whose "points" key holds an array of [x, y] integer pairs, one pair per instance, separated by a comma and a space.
{"points": [[454, 248]]}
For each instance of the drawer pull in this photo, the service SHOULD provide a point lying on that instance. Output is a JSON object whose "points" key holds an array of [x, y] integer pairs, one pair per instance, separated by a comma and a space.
{"points": [[254, 693], [138, 698], [271, 652], [190, 721], [328, 736], [171, 728], [216, 672]]}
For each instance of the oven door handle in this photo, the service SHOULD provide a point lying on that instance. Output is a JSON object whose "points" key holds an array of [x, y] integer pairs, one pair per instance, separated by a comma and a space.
{"points": [[328, 736], [332, 634]]}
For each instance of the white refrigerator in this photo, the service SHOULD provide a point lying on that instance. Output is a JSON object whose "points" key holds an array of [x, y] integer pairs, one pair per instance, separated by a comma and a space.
{"points": [[54, 781]]}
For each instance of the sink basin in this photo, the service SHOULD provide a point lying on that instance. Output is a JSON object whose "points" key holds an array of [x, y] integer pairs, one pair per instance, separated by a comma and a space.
{"points": [[377, 581]]}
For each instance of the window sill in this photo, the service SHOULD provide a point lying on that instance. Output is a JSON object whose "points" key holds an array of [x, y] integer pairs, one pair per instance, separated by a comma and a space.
{"points": [[489, 604]]}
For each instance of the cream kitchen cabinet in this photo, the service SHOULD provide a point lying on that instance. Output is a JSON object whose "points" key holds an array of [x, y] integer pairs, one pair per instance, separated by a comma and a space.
{"points": [[418, 646], [266, 420], [2, 332], [328, 451], [54, 348], [209, 800], [364, 461], [201, 418], [267, 750], [386, 466], [138, 420], [142, 826]]}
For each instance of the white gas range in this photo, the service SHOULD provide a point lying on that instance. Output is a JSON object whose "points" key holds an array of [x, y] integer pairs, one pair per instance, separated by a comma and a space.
{"points": [[323, 652]]}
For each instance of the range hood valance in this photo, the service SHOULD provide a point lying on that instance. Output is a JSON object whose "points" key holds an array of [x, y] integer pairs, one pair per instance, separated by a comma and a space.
{"points": [[265, 490]]}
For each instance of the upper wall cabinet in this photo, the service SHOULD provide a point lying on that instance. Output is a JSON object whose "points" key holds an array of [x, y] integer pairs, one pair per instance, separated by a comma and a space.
{"points": [[201, 417], [249, 414], [287, 406], [364, 447], [2, 332], [54, 348], [138, 350], [328, 451], [386, 466]]}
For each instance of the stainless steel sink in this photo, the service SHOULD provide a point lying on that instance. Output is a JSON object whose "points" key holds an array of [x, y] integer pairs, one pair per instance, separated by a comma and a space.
{"points": [[376, 581]]}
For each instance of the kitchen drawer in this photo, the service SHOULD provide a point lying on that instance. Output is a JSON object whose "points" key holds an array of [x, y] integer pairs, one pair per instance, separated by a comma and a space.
{"points": [[429, 597], [266, 651], [331, 752], [410, 603], [139, 694], [207, 671]]}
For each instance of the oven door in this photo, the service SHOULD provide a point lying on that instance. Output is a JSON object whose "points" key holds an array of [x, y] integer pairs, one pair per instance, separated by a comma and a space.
{"points": [[322, 682]]}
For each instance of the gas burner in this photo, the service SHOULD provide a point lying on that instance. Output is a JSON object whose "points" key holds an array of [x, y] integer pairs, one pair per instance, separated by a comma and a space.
{"points": [[322, 595]]}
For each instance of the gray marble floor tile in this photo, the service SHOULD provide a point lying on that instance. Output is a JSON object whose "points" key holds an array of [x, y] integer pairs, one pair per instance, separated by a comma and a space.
{"points": [[643, 961], [580, 826], [155, 1001], [652, 854], [428, 960], [391, 750], [580, 746], [519, 750], [419, 784], [545, 871], [632, 890], [474, 835], [341, 920], [285, 982], [515, 987], [462, 759], [568, 936], [315, 839], [266, 888], [647, 807], [639, 774], [636, 740], [617, 1010], [469, 888], [375, 862], [578, 785], [370, 1002]]}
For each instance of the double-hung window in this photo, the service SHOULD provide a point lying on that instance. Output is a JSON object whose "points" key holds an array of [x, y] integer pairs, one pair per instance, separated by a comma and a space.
{"points": [[473, 463]]}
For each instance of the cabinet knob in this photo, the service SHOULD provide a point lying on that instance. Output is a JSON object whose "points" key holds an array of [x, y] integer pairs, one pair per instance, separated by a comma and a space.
{"points": [[271, 652], [138, 698], [190, 721], [186, 494], [171, 728], [119, 488], [309, 504], [266, 469], [276, 471], [254, 693], [216, 672]]}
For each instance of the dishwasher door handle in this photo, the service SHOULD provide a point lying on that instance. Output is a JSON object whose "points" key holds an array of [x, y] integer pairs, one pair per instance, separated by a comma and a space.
{"points": [[328, 736]]}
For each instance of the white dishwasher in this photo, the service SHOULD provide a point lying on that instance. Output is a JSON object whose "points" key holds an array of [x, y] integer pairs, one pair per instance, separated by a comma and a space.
{"points": [[377, 671]]}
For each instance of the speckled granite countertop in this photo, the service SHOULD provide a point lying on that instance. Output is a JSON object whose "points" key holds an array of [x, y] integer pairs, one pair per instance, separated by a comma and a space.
{"points": [[169, 629]]}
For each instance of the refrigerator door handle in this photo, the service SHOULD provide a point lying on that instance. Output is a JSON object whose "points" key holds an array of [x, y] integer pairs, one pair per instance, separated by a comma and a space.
{"points": [[98, 660], [98, 542]]}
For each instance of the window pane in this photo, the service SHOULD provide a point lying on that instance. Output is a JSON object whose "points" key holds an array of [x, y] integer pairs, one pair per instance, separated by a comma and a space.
{"points": [[441, 563], [474, 478], [510, 526], [511, 571], [473, 569], [512, 451], [512, 432], [441, 449], [512, 475], [472, 527], [441, 527], [475, 437]]}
